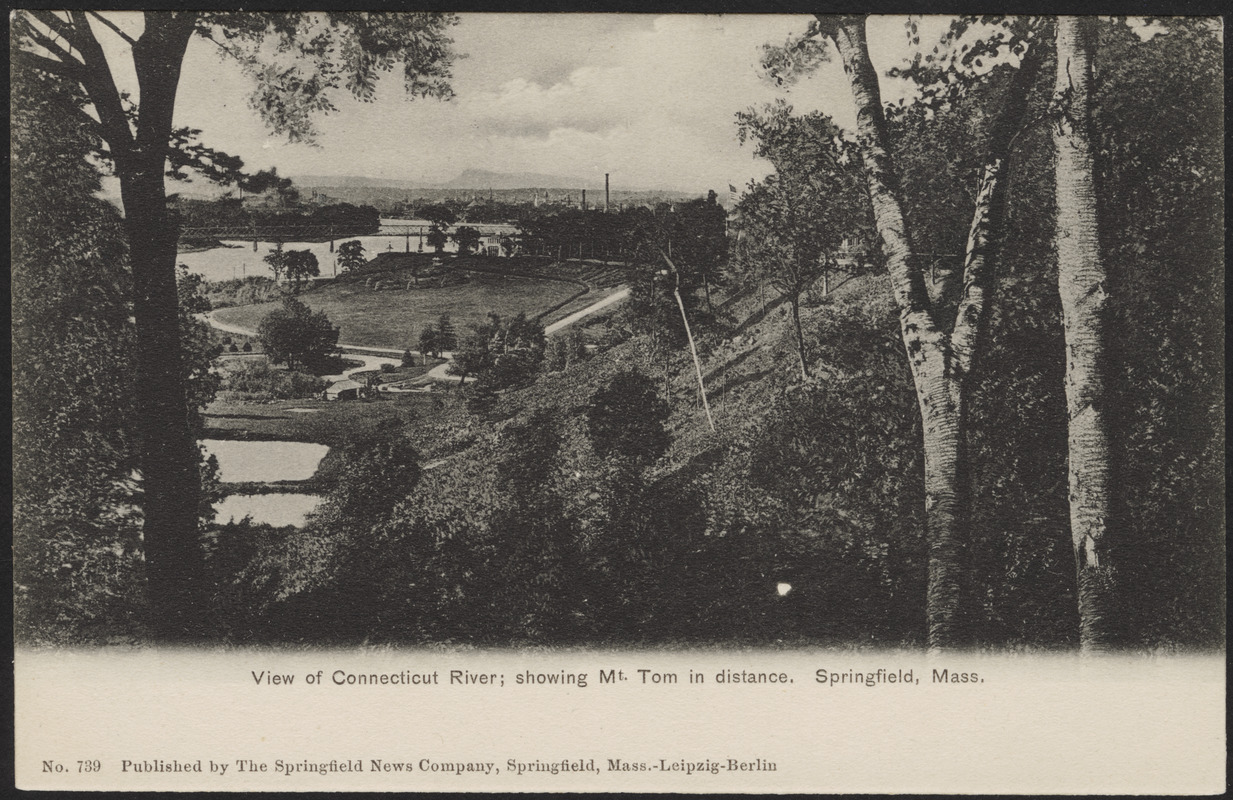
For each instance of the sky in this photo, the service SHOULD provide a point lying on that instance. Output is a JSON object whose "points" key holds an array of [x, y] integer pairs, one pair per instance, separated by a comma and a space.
{"points": [[650, 99]]}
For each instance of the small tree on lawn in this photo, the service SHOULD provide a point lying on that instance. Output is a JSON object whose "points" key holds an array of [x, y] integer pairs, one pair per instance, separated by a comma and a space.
{"points": [[468, 239], [296, 336], [300, 265], [351, 255], [277, 260], [430, 342], [436, 238], [447, 336], [441, 218]]}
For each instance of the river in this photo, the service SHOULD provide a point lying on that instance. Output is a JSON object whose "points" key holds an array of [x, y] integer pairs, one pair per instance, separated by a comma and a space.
{"points": [[238, 260]]}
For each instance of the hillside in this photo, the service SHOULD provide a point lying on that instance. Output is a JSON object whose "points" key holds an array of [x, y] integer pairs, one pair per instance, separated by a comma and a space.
{"points": [[744, 366]]}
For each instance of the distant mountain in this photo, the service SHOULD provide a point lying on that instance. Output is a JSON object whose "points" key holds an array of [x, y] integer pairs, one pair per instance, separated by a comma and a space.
{"points": [[355, 181], [487, 179], [477, 179]]}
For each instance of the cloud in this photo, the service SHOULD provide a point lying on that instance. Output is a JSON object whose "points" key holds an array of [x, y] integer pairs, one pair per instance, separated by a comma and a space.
{"points": [[650, 99]]}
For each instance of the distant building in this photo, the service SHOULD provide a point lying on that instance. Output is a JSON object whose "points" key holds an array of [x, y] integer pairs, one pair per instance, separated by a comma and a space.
{"points": [[345, 389]]}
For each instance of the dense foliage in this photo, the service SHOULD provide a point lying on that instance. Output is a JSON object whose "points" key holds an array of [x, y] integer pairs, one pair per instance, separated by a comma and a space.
{"points": [[77, 536], [295, 335]]}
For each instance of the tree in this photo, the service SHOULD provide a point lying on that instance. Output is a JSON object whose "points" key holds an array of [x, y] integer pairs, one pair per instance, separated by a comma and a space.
{"points": [[295, 335], [700, 241], [1159, 150], [437, 238], [264, 181], [795, 223], [636, 535], [500, 354], [77, 551], [430, 342], [626, 417], [538, 574], [942, 362], [293, 80], [277, 261], [299, 266], [447, 337], [467, 239], [567, 348], [351, 255], [441, 217], [1083, 287]]}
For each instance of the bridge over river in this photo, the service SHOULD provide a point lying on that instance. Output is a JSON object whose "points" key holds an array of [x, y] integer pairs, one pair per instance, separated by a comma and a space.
{"points": [[257, 233]]}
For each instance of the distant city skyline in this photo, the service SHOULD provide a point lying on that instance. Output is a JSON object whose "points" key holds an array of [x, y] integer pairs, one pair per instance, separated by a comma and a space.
{"points": [[650, 99]]}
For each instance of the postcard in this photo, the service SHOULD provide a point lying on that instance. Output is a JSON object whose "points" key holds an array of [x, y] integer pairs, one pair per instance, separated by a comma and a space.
{"points": [[738, 403]]}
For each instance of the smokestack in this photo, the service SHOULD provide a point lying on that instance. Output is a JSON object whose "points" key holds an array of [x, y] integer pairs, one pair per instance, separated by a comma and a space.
{"points": [[605, 192], [584, 199]]}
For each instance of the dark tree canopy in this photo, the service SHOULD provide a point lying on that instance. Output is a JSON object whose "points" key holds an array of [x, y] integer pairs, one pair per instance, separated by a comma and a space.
{"points": [[351, 255], [295, 335], [626, 418]]}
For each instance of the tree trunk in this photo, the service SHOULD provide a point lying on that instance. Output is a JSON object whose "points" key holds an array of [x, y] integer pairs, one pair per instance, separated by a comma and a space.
{"points": [[1083, 289], [926, 346], [800, 335], [171, 480], [941, 364]]}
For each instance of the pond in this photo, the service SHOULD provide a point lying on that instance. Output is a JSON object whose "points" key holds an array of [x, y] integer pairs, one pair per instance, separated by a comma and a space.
{"points": [[278, 509], [263, 462]]}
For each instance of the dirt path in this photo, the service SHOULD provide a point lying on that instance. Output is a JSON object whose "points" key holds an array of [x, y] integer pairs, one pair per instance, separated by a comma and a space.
{"points": [[615, 297]]}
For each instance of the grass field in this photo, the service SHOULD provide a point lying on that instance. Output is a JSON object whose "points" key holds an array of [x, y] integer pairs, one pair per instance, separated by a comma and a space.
{"points": [[394, 317], [323, 422]]}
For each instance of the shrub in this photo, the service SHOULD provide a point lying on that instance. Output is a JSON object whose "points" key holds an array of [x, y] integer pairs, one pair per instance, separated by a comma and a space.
{"points": [[260, 381]]}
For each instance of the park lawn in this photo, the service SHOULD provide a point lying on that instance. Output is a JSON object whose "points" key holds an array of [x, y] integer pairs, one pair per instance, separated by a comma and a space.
{"points": [[394, 317], [333, 423]]}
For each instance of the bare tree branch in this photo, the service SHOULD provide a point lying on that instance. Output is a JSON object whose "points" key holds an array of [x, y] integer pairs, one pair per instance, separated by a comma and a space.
{"points": [[54, 66], [47, 43], [60, 27], [101, 86], [114, 28]]}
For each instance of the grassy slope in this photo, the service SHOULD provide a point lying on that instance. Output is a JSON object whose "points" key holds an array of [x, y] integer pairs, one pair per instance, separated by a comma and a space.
{"points": [[330, 423], [394, 317], [743, 367]]}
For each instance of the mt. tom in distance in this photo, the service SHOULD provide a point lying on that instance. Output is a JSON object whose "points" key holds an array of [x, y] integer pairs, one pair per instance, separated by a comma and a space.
{"points": [[477, 179]]}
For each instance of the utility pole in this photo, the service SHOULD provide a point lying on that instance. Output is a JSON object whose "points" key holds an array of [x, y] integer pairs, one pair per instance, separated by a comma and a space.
{"points": [[676, 291], [606, 198]]}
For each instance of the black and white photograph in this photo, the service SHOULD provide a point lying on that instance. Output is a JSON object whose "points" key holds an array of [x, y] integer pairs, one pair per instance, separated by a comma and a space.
{"points": [[741, 372]]}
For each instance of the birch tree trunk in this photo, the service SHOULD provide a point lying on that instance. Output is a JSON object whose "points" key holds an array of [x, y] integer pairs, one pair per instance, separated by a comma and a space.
{"points": [[941, 363], [1083, 289]]}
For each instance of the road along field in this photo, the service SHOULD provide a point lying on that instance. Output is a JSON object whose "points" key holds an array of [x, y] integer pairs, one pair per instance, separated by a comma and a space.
{"points": [[393, 317]]}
